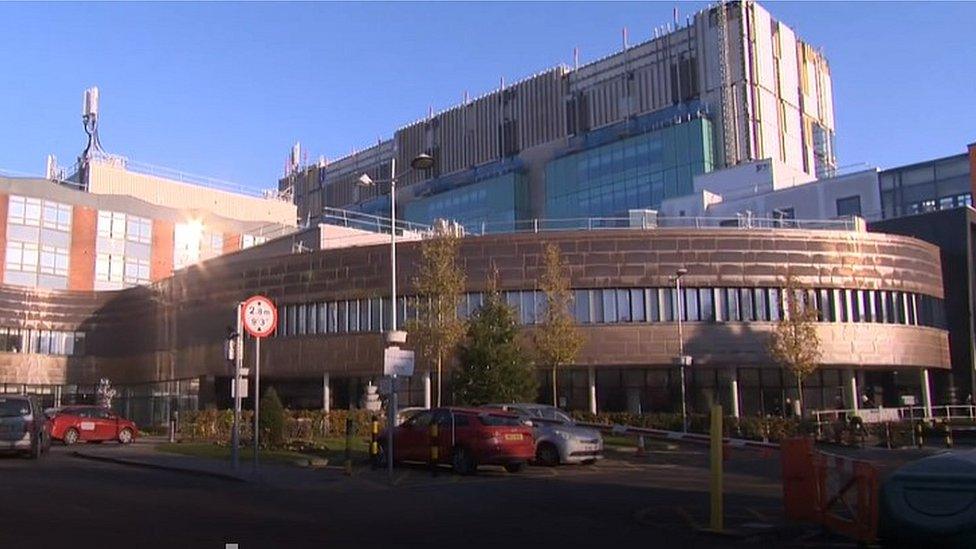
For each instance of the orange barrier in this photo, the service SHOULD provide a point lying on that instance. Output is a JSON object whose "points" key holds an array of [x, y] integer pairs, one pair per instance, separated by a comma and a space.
{"points": [[838, 492]]}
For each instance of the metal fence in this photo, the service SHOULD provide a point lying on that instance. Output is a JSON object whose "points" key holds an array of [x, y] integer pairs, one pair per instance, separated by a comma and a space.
{"points": [[904, 413]]}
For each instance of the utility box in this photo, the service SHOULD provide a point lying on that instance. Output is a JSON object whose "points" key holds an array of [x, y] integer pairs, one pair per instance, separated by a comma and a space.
{"points": [[931, 502]]}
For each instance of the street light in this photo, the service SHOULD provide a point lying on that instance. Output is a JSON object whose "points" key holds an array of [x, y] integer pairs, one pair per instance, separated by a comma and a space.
{"points": [[393, 336], [683, 360]]}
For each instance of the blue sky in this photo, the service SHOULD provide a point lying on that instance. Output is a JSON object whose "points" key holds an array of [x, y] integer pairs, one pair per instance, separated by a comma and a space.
{"points": [[224, 89]]}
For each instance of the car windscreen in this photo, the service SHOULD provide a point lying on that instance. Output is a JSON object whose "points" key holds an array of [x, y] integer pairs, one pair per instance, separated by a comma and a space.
{"points": [[493, 420], [14, 407]]}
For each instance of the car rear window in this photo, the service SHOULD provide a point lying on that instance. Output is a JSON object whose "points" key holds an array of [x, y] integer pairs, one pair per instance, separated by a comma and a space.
{"points": [[14, 407], [493, 420]]}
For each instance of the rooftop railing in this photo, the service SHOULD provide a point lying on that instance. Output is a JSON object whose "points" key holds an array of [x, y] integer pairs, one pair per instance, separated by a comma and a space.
{"points": [[375, 223]]}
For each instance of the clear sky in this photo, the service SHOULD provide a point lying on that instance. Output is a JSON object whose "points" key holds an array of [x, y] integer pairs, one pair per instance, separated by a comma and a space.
{"points": [[224, 89]]}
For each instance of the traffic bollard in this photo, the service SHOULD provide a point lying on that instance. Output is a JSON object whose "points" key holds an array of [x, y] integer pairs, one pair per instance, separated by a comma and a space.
{"points": [[433, 449], [374, 444], [948, 433], [919, 438], [888, 434], [717, 522], [349, 445]]}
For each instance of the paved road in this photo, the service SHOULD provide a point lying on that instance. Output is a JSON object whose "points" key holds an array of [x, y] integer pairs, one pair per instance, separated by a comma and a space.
{"points": [[64, 501]]}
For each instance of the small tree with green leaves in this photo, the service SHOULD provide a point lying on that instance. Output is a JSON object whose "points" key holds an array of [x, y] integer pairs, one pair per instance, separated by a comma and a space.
{"points": [[794, 343], [557, 339], [271, 422], [493, 365], [439, 284]]}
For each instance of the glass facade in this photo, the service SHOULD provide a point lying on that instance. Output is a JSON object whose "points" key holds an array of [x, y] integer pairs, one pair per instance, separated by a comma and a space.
{"points": [[920, 188], [497, 201], [636, 172]]}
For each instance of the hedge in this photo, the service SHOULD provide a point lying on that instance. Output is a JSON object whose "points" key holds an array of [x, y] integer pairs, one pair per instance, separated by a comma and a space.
{"points": [[300, 425]]}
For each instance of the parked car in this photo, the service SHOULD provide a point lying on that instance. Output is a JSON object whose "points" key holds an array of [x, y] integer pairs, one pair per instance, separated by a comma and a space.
{"points": [[23, 426], [73, 424], [404, 414], [558, 439], [467, 438]]}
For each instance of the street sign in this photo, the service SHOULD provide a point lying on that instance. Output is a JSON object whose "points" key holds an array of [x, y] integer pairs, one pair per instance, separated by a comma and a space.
{"points": [[259, 316], [233, 394], [397, 362]]}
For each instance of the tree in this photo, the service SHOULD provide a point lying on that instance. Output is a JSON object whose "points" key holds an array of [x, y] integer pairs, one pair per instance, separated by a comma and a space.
{"points": [[271, 422], [794, 344], [557, 339], [493, 365], [439, 284]]}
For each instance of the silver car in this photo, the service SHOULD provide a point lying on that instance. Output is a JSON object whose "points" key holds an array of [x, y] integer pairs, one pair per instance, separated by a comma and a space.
{"points": [[558, 439], [23, 426]]}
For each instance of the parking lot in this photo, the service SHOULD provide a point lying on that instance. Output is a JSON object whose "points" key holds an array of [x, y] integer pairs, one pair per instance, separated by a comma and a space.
{"points": [[660, 497]]}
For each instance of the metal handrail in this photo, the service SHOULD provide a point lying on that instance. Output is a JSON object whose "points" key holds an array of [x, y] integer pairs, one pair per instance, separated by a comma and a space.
{"points": [[367, 222], [904, 413]]}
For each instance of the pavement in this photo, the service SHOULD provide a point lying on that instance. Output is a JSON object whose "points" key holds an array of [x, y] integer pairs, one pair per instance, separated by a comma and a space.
{"points": [[110, 496]]}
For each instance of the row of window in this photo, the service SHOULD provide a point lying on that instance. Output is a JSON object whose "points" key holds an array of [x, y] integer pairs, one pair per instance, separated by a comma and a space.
{"points": [[122, 226], [29, 257], [35, 212], [944, 203], [635, 305], [45, 342], [121, 268]]}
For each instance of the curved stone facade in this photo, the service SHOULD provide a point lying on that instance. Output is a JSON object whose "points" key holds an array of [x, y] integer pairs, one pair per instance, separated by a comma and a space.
{"points": [[175, 329]]}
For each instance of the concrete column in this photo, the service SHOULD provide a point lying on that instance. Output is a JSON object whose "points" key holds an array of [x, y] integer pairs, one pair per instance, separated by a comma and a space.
{"points": [[850, 390], [734, 386], [427, 389], [591, 378], [926, 393], [326, 393]]}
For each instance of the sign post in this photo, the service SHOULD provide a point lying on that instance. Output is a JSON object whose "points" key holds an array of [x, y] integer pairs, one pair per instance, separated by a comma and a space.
{"points": [[259, 317], [396, 362], [236, 389]]}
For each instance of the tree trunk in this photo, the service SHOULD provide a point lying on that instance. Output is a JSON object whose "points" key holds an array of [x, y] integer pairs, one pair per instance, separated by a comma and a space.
{"points": [[555, 402], [439, 361]]}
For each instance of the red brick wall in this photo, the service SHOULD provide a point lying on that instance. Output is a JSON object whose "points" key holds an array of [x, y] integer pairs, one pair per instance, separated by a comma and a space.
{"points": [[4, 201], [81, 266], [232, 243], [161, 262]]}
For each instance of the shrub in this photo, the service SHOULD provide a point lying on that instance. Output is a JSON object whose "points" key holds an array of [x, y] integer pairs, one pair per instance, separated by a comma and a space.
{"points": [[272, 420]]}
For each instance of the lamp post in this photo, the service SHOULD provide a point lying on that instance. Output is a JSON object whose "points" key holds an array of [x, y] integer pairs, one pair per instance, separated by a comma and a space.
{"points": [[682, 359], [393, 336]]}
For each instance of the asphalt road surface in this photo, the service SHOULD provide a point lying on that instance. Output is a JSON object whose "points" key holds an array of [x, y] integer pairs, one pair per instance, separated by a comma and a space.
{"points": [[64, 501]]}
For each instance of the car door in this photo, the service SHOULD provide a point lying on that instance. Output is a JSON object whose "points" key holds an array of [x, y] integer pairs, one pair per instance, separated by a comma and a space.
{"points": [[87, 424], [105, 424], [445, 435], [411, 437]]}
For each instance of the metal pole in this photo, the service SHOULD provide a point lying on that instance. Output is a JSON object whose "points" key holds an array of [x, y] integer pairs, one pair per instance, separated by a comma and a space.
{"points": [[393, 265], [716, 522], [257, 398], [390, 426], [238, 356], [681, 357], [391, 422]]}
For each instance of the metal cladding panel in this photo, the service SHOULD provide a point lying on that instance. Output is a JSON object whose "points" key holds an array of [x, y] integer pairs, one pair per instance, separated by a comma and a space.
{"points": [[539, 109]]}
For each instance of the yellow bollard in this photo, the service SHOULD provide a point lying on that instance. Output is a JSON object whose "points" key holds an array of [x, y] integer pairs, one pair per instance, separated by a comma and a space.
{"points": [[374, 444], [717, 512], [433, 449]]}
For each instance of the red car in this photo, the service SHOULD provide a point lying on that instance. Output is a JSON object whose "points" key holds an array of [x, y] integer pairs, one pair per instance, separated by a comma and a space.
{"points": [[466, 439], [73, 424]]}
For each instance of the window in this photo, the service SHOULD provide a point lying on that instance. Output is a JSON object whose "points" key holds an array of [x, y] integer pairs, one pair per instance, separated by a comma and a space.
{"points": [[24, 211], [249, 240], [111, 225], [109, 268], [22, 256], [581, 303], [637, 305], [623, 306], [57, 216], [850, 205], [732, 304], [54, 261], [706, 304], [609, 307], [138, 229], [217, 242], [691, 304], [136, 271]]}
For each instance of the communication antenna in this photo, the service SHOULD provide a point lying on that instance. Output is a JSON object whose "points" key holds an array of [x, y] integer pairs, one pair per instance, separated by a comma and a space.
{"points": [[89, 117]]}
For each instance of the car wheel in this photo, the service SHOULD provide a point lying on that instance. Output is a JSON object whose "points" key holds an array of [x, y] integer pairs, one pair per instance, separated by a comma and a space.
{"points": [[125, 436], [70, 437], [463, 462], [515, 467], [547, 454]]}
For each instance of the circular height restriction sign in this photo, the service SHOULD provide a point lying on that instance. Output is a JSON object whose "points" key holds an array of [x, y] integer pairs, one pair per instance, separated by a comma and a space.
{"points": [[259, 316]]}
